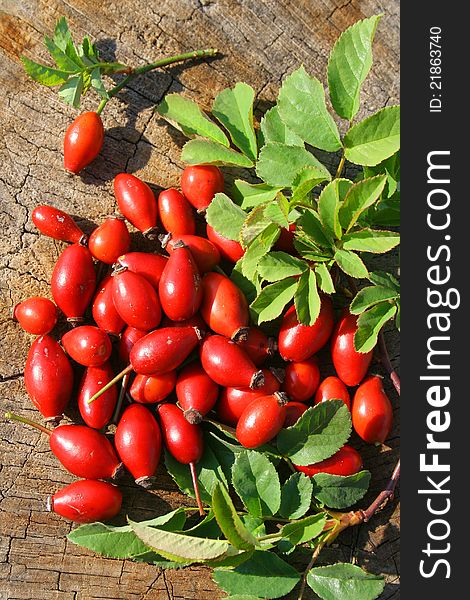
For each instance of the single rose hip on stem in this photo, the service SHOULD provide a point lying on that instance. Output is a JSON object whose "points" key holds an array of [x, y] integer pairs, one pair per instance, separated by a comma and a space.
{"points": [[83, 141]]}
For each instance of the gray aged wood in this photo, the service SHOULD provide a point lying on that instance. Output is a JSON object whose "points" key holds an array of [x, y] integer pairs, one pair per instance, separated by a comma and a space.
{"points": [[261, 42]]}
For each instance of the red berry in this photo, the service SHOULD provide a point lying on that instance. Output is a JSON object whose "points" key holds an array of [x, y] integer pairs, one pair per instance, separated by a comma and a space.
{"points": [[136, 201], [110, 240], [150, 389], [200, 183], [87, 501], [351, 366], [261, 420], [98, 413], [87, 345], [36, 315], [129, 337], [332, 388], [231, 250], [372, 414], [196, 392], [136, 301], [149, 266], [346, 461], [104, 312], [203, 251], [57, 224], [301, 380], [176, 213], [258, 346], [298, 342], [83, 141], [183, 440], [294, 410]]}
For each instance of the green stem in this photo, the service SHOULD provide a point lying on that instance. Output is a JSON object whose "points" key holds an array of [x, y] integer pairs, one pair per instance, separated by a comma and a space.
{"points": [[192, 468], [118, 377], [163, 62], [341, 165], [303, 583], [12, 417]]}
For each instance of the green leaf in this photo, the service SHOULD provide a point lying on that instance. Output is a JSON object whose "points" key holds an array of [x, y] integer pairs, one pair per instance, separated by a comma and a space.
{"points": [[254, 525], [43, 74], [62, 36], [324, 280], [278, 211], [307, 299], [272, 299], [385, 279], [264, 575], [258, 248], [370, 323], [279, 164], [89, 51], [114, 542], [254, 224], [181, 547], [359, 197], [185, 115], [337, 491], [350, 62], [351, 264], [296, 496], [71, 91], [320, 432], [230, 523], [371, 240], [376, 138], [63, 62], [370, 296], [344, 581], [329, 205], [207, 528], [234, 109], [278, 265], [384, 213], [299, 532], [256, 481], [311, 225], [247, 286], [97, 83], [248, 195], [303, 109], [273, 129], [225, 216], [306, 180], [206, 152]]}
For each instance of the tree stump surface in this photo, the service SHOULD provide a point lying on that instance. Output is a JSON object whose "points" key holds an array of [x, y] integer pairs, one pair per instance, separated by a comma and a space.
{"points": [[261, 41]]}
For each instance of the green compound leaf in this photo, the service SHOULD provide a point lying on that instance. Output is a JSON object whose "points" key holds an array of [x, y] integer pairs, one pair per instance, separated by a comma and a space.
{"points": [[185, 115], [279, 265], [234, 109], [71, 90], [371, 240], [351, 264], [344, 581], [64, 62], [43, 74], [370, 323], [206, 152], [329, 205], [272, 299], [249, 195], [319, 433], [370, 296], [358, 198], [258, 248], [376, 138], [296, 496], [225, 216], [303, 109], [264, 575], [229, 521], [350, 62], [256, 481], [307, 298], [337, 491], [273, 129], [279, 164], [324, 279]]}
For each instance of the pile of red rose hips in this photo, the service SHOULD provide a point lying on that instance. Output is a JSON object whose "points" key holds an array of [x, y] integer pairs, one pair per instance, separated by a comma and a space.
{"points": [[153, 311]]}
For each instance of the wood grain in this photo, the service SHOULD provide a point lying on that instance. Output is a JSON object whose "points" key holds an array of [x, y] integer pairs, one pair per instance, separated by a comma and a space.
{"points": [[261, 41]]}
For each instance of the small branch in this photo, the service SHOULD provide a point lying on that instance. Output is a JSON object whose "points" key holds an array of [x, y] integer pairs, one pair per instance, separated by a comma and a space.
{"points": [[340, 166], [303, 581], [385, 360], [384, 496]]}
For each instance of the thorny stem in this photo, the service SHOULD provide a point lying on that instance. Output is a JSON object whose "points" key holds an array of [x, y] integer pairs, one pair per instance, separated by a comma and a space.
{"points": [[155, 65], [12, 417], [106, 387], [192, 468], [303, 581]]}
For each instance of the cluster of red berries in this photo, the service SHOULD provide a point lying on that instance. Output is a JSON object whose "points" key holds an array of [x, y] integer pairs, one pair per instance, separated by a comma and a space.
{"points": [[150, 315]]}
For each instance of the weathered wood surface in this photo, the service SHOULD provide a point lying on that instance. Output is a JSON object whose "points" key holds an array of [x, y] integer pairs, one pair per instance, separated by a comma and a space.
{"points": [[261, 41]]}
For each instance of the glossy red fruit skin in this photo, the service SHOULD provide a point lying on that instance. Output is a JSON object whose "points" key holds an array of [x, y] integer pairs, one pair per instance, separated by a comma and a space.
{"points": [[206, 255], [301, 380], [163, 350], [103, 310], [136, 301], [261, 421], [229, 249], [183, 440], [83, 141], [73, 281], [372, 413], [332, 388], [233, 401], [195, 321], [227, 364], [298, 342], [180, 289], [176, 213], [84, 452], [129, 337], [224, 307], [196, 392], [87, 501], [98, 413], [294, 410], [258, 345], [36, 315], [150, 266], [48, 377], [150, 389], [200, 183], [110, 240], [57, 224], [347, 461], [136, 201], [87, 345], [351, 366], [138, 441]]}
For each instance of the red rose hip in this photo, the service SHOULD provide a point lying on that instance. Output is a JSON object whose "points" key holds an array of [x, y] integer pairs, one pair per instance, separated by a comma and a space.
{"points": [[301, 380], [111, 239], [57, 224], [87, 345], [347, 461], [350, 365], [36, 315], [83, 141], [332, 388], [231, 250], [200, 183], [196, 392], [136, 201], [261, 420], [86, 501], [372, 414], [176, 213]]}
